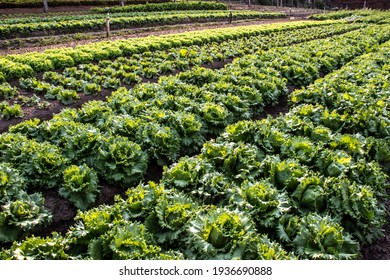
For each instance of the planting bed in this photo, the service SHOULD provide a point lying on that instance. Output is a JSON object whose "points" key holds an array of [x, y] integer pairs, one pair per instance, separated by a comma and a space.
{"points": [[256, 142]]}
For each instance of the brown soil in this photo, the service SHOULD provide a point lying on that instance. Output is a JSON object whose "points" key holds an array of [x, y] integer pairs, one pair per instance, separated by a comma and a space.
{"points": [[380, 249]]}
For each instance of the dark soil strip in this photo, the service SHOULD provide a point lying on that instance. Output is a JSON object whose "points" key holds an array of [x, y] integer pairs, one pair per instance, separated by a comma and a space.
{"points": [[380, 249]]}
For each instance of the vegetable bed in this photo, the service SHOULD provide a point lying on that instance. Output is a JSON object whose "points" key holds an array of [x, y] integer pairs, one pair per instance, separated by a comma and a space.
{"points": [[310, 184]]}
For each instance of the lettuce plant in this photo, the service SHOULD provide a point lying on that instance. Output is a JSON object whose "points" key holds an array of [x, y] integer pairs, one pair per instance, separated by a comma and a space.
{"points": [[323, 238], [168, 222], [21, 215], [121, 160], [286, 174], [358, 208], [131, 241], [262, 201], [11, 183], [67, 96], [190, 129], [80, 186], [38, 248], [352, 144], [90, 225], [30, 128], [140, 201], [161, 142], [334, 163], [287, 229], [241, 131], [260, 247], [184, 174], [199, 178], [300, 148], [218, 233], [8, 111], [40, 163], [7, 91], [311, 194], [379, 150], [216, 116], [94, 112], [199, 76], [236, 160], [91, 88]]}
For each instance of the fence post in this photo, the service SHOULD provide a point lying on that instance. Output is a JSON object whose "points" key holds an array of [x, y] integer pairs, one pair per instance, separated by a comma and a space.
{"points": [[45, 6], [230, 17], [108, 24]]}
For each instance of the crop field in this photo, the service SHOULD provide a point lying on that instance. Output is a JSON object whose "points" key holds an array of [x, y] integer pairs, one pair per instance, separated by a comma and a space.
{"points": [[120, 18], [263, 141]]}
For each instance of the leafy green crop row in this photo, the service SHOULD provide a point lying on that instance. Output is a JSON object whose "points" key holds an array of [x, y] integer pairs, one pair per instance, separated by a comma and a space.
{"points": [[176, 6], [25, 65], [159, 118], [353, 100], [58, 3], [91, 16], [371, 16], [282, 188], [15, 30], [91, 78]]}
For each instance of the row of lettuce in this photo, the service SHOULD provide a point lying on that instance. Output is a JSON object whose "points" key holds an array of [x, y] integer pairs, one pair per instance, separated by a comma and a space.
{"points": [[91, 16], [275, 189], [364, 16], [125, 21], [92, 78], [139, 5], [111, 74], [27, 65], [175, 6]]}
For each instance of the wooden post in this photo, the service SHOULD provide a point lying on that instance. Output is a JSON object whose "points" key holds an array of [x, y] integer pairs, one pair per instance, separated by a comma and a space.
{"points": [[249, 3], [365, 3], [108, 24], [122, 2], [45, 6], [230, 17]]}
